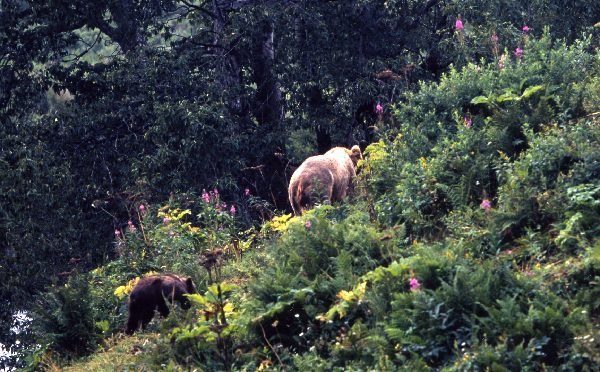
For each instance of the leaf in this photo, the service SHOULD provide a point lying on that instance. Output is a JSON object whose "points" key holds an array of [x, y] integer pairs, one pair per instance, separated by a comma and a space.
{"points": [[346, 296], [480, 99], [103, 325], [280, 223], [507, 96], [183, 214], [198, 299], [273, 309], [301, 294], [228, 308], [225, 288], [126, 289], [531, 90]]}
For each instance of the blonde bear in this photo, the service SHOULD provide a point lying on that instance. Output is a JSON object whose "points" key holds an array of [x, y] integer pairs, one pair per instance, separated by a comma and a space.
{"points": [[323, 178]]}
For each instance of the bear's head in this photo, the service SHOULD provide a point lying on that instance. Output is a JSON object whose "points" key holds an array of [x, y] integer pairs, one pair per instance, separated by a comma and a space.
{"points": [[355, 154]]}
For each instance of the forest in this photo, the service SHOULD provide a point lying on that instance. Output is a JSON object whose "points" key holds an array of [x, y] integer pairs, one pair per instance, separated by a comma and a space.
{"points": [[159, 137]]}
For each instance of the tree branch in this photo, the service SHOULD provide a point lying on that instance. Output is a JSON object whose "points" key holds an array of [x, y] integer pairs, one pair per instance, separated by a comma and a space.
{"points": [[85, 51], [199, 8]]}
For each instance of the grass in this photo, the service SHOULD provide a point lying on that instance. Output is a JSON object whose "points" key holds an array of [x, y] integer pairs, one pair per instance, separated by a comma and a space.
{"points": [[120, 353]]}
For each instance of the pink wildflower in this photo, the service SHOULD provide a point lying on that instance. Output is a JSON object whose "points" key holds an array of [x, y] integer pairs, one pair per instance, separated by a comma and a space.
{"points": [[142, 210], [486, 204], [232, 210], [519, 53], [459, 24], [307, 225], [117, 233], [379, 109], [247, 191], [526, 29], [414, 284], [205, 196], [130, 226], [166, 220], [468, 122]]}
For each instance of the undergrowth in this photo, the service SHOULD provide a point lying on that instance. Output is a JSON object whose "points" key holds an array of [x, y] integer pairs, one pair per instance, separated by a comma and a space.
{"points": [[470, 244]]}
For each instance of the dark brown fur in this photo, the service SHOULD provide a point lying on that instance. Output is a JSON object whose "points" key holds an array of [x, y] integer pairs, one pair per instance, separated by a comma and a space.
{"points": [[149, 294], [323, 178]]}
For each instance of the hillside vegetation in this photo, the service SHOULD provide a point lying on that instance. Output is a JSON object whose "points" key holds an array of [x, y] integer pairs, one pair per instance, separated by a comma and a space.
{"points": [[471, 240]]}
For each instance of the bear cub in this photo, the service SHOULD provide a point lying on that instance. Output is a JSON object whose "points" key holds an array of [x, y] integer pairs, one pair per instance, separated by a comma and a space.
{"points": [[149, 294]]}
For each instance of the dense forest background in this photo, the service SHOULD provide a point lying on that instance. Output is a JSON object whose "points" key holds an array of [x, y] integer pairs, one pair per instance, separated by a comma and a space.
{"points": [[153, 136]]}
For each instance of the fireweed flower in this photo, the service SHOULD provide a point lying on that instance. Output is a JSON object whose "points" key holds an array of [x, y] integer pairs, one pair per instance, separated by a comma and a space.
{"points": [[526, 29], [459, 24], [205, 196], [130, 226], [247, 191], [142, 211], [468, 121], [232, 210], [414, 284], [486, 204], [519, 53], [117, 234], [379, 109], [166, 220]]}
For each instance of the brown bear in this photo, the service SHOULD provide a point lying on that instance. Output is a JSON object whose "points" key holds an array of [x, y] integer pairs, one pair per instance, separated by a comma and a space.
{"points": [[323, 178], [149, 294]]}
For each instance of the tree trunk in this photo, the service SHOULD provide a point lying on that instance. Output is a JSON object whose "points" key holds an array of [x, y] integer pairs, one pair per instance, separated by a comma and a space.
{"points": [[269, 106], [229, 79], [268, 111]]}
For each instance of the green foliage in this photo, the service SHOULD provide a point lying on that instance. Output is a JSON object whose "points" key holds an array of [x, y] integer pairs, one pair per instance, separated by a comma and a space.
{"points": [[456, 135], [538, 189], [469, 244], [209, 339], [64, 318]]}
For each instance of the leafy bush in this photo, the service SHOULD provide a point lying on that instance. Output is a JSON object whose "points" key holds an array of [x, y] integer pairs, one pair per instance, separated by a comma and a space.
{"points": [[455, 134], [65, 317]]}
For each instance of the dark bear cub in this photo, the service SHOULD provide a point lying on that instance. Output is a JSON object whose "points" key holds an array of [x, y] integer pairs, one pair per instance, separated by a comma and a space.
{"points": [[149, 294]]}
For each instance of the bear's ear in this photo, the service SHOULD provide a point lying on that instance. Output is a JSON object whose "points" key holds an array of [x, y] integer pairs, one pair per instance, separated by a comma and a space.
{"points": [[189, 285], [355, 154]]}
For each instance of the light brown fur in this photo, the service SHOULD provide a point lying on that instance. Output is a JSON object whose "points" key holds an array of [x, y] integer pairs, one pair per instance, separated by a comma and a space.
{"points": [[323, 178]]}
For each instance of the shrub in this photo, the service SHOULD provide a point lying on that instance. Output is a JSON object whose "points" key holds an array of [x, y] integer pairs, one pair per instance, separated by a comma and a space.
{"points": [[454, 135], [64, 318]]}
